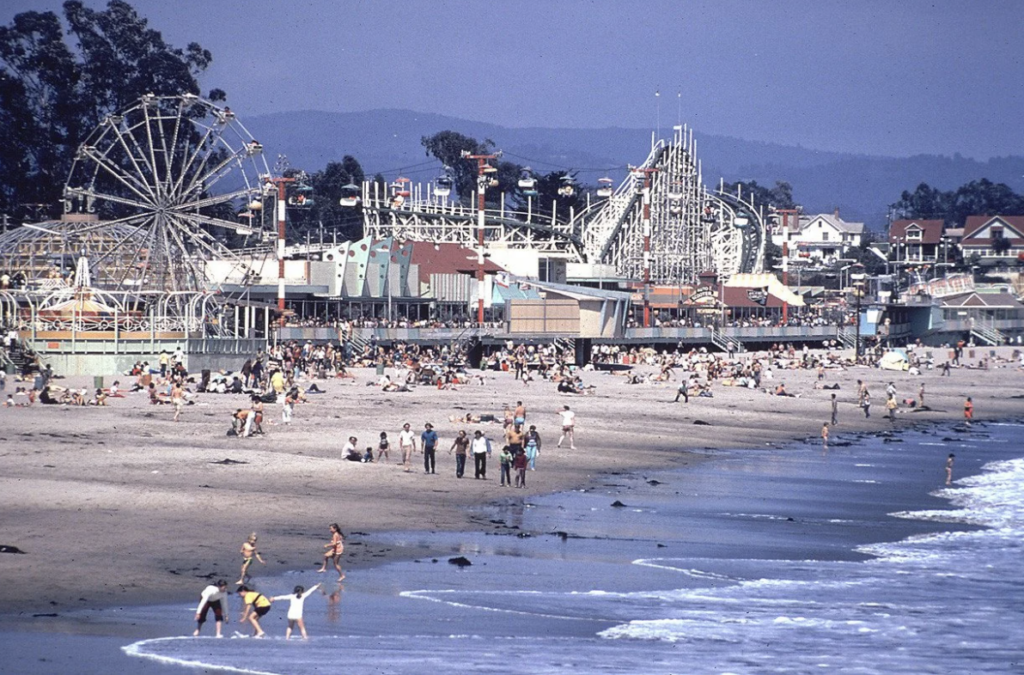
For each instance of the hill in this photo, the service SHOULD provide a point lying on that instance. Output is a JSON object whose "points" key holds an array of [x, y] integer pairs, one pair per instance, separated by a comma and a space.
{"points": [[388, 141]]}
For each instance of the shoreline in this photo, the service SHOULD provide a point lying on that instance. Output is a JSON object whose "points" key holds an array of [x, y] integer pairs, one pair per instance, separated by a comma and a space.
{"points": [[299, 475]]}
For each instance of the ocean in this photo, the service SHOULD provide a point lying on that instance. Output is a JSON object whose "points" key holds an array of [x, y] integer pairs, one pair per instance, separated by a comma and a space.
{"points": [[858, 559]]}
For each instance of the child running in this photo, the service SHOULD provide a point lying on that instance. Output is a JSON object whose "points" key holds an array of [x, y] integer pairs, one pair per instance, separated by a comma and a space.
{"points": [[249, 553], [335, 547], [297, 600]]}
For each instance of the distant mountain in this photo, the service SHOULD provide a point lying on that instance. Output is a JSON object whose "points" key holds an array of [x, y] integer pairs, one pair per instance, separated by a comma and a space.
{"points": [[388, 141]]}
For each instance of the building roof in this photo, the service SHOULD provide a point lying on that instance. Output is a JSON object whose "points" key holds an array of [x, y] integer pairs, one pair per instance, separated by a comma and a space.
{"points": [[988, 300], [446, 259], [833, 220], [931, 230], [579, 292], [1013, 229]]}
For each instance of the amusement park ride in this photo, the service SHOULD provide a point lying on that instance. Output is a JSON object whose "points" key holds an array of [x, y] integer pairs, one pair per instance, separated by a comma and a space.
{"points": [[688, 230], [170, 203]]}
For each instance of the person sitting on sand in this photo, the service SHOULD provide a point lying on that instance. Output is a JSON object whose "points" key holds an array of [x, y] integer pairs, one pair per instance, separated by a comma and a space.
{"points": [[256, 607], [296, 599], [350, 452], [249, 553], [335, 547]]}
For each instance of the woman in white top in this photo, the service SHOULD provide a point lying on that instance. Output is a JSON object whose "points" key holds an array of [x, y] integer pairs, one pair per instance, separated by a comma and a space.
{"points": [[297, 600]]}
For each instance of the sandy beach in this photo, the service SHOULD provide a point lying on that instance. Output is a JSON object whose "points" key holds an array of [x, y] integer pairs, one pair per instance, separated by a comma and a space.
{"points": [[122, 506]]}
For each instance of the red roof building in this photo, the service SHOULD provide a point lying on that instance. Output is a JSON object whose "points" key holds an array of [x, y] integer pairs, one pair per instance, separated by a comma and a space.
{"points": [[995, 238], [919, 241]]}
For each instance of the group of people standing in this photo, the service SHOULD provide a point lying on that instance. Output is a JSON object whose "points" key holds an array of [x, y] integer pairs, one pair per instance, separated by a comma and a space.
{"points": [[522, 446], [256, 605]]}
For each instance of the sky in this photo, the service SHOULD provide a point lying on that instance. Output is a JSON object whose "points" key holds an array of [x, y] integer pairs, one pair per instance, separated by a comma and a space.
{"points": [[893, 78]]}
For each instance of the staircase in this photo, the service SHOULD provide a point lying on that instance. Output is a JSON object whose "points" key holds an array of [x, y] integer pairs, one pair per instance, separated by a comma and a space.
{"points": [[847, 336], [356, 342], [23, 360], [725, 342], [986, 332]]}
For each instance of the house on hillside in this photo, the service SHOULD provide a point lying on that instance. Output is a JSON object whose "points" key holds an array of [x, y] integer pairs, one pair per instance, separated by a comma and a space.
{"points": [[995, 239], [920, 241], [821, 239]]}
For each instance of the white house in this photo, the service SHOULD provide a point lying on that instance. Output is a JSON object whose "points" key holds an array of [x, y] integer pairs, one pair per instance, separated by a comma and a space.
{"points": [[821, 238]]}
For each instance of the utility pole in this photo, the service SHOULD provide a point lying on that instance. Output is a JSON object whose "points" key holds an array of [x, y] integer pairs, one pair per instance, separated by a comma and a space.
{"points": [[646, 191], [282, 201], [483, 181]]}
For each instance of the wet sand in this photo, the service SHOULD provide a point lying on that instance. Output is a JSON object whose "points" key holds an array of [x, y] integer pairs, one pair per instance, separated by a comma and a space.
{"points": [[121, 506]]}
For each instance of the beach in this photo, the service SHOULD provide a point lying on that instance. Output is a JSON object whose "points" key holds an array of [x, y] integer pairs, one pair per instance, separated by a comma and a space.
{"points": [[120, 507]]}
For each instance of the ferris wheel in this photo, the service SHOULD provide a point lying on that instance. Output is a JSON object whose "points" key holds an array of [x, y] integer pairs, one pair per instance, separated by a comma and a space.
{"points": [[177, 183]]}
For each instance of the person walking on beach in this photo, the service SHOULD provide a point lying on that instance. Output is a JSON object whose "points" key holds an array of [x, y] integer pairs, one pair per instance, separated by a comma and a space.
{"points": [[480, 448], [249, 553], [945, 370], [215, 597], [177, 399], [461, 448], [335, 547], [920, 396], [505, 465], [297, 599], [890, 406], [382, 447], [520, 414], [835, 410], [519, 464], [568, 427], [256, 607], [949, 468], [866, 403], [968, 411], [862, 390], [824, 436], [429, 441], [407, 443], [683, 390], [532, 447]]}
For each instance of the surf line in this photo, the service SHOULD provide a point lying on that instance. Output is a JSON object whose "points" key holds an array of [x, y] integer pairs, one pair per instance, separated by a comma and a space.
{"points": [[135, 649], [425, 595]]}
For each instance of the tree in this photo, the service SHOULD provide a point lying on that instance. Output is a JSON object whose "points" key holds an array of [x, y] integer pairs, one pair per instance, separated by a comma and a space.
{"points": [[979, 197], [53, 92], [779, 197], [448, 147], [327, 187]]}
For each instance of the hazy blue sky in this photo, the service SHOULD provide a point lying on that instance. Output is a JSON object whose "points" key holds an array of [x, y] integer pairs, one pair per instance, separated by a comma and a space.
{"points": [[894, 78]]}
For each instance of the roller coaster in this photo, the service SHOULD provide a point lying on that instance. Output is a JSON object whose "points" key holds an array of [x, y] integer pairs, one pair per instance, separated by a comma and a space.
{"points": [[691, 229]]}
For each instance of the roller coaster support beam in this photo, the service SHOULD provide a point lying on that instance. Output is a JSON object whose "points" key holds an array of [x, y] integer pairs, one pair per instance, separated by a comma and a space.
{"points": [[647, 242], [482, 180], [282, 201]]}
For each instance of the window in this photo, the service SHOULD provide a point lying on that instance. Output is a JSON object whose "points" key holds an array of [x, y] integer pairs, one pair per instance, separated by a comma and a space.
{"points": [[914, 234], [824, 236]]}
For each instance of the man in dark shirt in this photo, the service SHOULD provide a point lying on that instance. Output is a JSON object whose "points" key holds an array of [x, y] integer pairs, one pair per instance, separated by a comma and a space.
{"points": [[429, 440]]}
